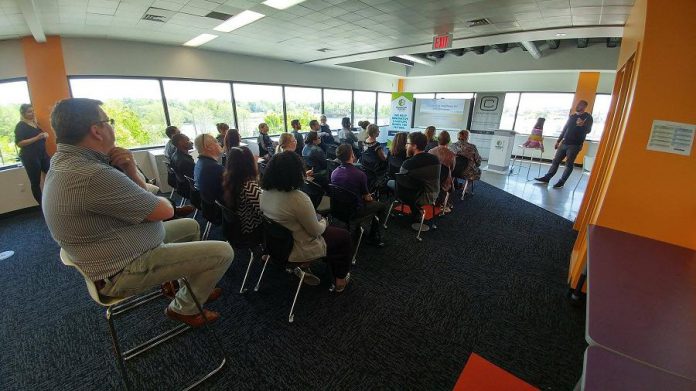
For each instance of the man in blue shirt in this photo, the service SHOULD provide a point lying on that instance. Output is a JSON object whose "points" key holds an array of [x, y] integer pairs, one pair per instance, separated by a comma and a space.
{"points": [[266, 145], [208, 172], [351, 178]]}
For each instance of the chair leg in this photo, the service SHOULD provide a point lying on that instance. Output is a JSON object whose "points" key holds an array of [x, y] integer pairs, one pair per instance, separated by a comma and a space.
{"points": [[444, 204], [420, 228], [117, 349], [251, 260], [206, 231], [357, 247], [263, 269], [291, 316], [171, 195], [466, 185], [386, 219], [195, 212], [182, 202]]}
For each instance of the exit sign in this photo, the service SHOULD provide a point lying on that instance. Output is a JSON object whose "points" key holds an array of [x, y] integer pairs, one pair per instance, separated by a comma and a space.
{"points": [[443, 41]]}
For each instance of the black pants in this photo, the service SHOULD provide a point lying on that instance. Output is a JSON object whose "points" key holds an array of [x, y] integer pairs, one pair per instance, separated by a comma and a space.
{"points": [[35, 165], [368, 212], [339, 250], [569, 152]]}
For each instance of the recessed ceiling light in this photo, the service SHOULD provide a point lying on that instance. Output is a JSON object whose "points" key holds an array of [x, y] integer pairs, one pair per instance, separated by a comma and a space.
{"points": [[239, 20], [560, 34], [200, 40], [282, 4]]}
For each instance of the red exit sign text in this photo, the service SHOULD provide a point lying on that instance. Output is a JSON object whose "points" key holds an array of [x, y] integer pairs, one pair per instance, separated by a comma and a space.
{"points": [[442, 41]]}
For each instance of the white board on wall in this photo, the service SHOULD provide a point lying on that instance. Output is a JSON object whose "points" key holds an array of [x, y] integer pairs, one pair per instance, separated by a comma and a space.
{"points": [[442, 113]]}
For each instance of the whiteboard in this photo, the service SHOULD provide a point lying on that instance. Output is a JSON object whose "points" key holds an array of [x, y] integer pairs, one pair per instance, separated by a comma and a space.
{"points": [[442, 113]]}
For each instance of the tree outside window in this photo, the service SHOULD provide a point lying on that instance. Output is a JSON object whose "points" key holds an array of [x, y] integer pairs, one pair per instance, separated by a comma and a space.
{"points": [[12, 95]]}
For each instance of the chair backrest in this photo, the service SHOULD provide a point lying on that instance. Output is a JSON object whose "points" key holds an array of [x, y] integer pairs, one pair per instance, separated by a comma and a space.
{"points": [[331, 150], [232, 229], [211, 212], [194, 194], [460, 166], [91, 288], [314, 191], [344, 203], [171, 175], [444, 173], [407, 189], [394, 165], [277, 241]]}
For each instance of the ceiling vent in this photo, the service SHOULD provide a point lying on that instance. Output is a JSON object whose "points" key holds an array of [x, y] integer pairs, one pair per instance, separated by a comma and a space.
{"points": [[158, 15], [323, 50], [218, 15], [478, 22]]}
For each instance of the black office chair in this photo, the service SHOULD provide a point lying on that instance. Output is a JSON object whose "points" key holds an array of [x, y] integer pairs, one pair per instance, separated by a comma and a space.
{"points": [[331, 150], [193, 195], [344, 207], [458, 173], [212, 214], [407, 192], [232, 232]]}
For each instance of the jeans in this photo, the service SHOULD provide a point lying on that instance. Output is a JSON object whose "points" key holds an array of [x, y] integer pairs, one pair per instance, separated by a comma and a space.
{"points": [[35, 165], [181, 255], [570, 152]]}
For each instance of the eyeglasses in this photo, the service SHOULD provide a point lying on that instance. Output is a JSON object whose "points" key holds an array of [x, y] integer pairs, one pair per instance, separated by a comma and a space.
{"points": [[111, 121]]}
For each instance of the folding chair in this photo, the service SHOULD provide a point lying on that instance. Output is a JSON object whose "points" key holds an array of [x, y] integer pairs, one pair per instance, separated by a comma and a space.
{"points": [[344, 207], [232, 231], [194, 195]]}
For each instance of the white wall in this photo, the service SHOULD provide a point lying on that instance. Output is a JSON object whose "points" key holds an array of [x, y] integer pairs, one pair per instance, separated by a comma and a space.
{"points": [[11, 60]]}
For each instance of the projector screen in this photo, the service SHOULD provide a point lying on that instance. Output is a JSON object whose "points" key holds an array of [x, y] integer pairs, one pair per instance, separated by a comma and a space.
{"points": [[442, 113]]}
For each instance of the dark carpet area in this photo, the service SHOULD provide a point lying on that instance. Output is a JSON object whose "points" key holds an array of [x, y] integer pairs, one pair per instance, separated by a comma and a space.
{"points": [[490, 280]]}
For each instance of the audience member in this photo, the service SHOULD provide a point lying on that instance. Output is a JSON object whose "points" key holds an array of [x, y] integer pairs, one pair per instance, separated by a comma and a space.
{"points": [[448, 159], [325, 128], [362, 135], [373, 156], [312, 154], [115, 233], [222, 129], [346, 135], [287, 142], [31, 141], [325, 138], [464, 148], [397, 153], [296, 127], [207, 173], [348, 177], [284, 203], [242, 190], [182, 162], [169, 148], [430, 135], [266, 147], [232, 139]]}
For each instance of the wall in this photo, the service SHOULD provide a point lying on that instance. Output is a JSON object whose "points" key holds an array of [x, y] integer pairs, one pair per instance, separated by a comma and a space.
{"points": [[11, 60]]}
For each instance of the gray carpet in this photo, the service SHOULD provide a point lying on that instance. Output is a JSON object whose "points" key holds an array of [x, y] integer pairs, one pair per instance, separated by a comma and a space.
{"points": [[490, 280]]}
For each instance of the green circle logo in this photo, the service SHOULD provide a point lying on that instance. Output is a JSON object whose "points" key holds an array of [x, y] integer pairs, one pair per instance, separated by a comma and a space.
{"points": [[402, 102]]}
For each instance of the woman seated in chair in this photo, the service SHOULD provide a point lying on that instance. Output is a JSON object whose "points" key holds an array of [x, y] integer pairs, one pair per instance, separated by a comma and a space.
{"points": [[232, 139], [315, 159], [397, 153], [286, 142], [464, 148], [283, 202], [447, 159], [241, 187], [373, 155]]}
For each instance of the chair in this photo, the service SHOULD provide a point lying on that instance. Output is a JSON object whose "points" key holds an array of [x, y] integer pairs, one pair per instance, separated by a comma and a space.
{"points": [[231, 230], [407, 193], [116, 306], [519, 160], [330, 149], [212, 214], [182, 187], [171, 179], [444, 174], [460, 167], [317, 194], [331, 165], [344, 207], [587, 163], [277, 244], [194, 195]]}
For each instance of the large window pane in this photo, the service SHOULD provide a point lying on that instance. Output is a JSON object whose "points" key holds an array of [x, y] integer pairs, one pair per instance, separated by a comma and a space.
{"points": [[12, 95], [336, 106], [599, 116], [507, 120], [195, 107], [256, 104], [454, 95], [383, 108], [135, 104], [554, 107], [364, 106], [303, 104], [424, 96]]}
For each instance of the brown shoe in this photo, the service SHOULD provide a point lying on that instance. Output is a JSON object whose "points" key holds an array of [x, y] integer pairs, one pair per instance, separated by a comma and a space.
{"points": [[193, 320], [184, 211], [214, 295], [170, 288]]}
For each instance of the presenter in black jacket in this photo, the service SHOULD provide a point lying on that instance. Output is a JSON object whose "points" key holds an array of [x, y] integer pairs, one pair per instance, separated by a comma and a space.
{"points": [[31, 141], [569, 144]]}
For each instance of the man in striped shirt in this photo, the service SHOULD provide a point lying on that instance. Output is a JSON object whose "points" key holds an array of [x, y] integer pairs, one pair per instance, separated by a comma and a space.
{"points": [[98, 210]]}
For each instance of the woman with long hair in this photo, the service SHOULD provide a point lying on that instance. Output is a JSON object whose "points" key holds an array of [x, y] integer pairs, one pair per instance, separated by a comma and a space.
{"points": [[241, 187], [286, 142], [430, 134], [31, 141], [232, 140], [397, 152], [464, 148]]}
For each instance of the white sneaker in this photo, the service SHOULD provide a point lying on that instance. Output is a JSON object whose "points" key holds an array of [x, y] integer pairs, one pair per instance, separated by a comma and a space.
{"points": [[309, 277]]}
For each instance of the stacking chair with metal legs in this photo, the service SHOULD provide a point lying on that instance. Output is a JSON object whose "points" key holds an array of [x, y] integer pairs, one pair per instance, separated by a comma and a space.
{"points": [[405, 194], [460, 167], [171, 179], [344, 207], [194, 195], [212, 215], [119, 306], [519, 160]]}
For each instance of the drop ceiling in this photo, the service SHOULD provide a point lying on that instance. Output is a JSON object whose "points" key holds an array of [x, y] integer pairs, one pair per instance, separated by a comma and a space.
{"points": [[348, 30]]}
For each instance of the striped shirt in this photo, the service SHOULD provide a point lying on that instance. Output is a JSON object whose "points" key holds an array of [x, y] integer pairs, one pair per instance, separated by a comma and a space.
{"points": [[96, 213]]}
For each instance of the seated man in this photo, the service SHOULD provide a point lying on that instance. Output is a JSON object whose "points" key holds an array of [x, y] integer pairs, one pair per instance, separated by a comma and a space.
{"points": [[296, 127], [266, 147], [169, 148], [351, 178], [99, 212], [182, 161], [207, 173]]}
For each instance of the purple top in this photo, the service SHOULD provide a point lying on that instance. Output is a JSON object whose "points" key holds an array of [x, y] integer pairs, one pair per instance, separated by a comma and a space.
{"points": [[642, 299], [350, 178]]}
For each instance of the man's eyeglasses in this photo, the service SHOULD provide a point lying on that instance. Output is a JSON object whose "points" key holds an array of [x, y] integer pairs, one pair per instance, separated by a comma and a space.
{"points": [[111, 121]]}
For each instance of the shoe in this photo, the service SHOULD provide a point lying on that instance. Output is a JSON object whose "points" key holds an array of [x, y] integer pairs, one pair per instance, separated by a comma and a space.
{"points": [[214, 295], [447, 209], [558, 185], [542, 179], [169, 288], [196, 320], [309, 277], [375, 242], [183, 211], [339, 289]]}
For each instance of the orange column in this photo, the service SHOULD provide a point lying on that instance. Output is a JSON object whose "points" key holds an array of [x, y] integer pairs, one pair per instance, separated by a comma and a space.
{"points": [[400, 86], [47, 79]]}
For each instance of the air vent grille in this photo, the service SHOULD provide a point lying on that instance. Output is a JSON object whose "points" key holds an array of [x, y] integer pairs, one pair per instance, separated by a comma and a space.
{"points": [[478, 22], [323, 50], [157, 15], [218, 15]]}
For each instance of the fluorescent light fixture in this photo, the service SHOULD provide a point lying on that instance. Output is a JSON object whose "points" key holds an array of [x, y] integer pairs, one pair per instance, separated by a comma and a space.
{"points": [[560, 34], [417, 59], [239, 20], [282, 4], [401, 61], [200, 40]]}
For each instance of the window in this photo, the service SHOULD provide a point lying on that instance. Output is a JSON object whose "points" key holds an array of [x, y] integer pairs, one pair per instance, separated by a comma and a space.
{"points": [[507, 120], [336, 106], [12, 95], [195, 107], [554, 107], [599, 116], [383, 108], [303, 104], [424, 96], [135, 104], [364, 106], [454, 95], [256, 104]]}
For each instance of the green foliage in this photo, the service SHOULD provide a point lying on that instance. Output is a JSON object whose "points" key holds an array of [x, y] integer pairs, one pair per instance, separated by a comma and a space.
{"points": [[304, 116], [9, 116], [274, 122]]}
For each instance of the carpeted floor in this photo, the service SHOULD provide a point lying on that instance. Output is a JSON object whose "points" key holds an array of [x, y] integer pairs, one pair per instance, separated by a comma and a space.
{"points": [[490, 280]]}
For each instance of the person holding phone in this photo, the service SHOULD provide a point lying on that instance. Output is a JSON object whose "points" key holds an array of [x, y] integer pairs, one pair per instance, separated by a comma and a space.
{"points": [[31, 141]]}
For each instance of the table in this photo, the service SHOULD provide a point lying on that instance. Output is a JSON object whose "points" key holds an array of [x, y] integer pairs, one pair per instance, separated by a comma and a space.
{"points": [[642, 300], [608, 371]]}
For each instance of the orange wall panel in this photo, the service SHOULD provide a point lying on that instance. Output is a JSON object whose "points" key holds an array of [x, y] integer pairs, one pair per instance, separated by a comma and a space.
{"points": [[47, 79]]}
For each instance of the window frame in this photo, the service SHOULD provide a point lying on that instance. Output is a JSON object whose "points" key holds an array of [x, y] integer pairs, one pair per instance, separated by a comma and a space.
{"points": [[14, 80]]}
